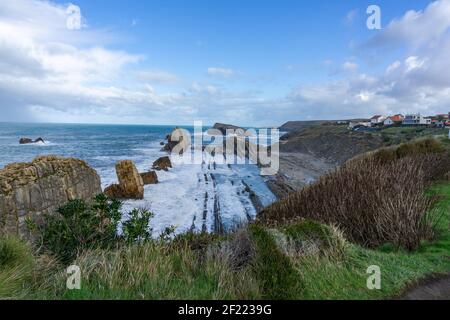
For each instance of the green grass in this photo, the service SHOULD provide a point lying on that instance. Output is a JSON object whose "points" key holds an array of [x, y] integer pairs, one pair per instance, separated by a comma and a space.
{"points": [[346, 279], [189, 268], [400, 134]]}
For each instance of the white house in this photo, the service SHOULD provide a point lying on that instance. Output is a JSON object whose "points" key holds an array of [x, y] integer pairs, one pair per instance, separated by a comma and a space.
{"points": [[388, 122], [416, 119], [375, 120]]}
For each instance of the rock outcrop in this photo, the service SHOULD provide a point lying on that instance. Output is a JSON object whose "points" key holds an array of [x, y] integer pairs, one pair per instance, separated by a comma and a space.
{"points": [[149, 177], [130, 184], [179, 138], [28, 190], [162, 163], [224, 127], [28, 140]]}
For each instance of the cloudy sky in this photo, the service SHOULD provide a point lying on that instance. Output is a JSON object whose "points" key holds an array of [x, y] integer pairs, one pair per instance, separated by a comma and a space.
{"points": [[249, 62]]}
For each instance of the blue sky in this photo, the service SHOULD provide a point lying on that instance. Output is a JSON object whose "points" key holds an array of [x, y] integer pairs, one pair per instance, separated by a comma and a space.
{"points": [[247, 62], [281, 42]]}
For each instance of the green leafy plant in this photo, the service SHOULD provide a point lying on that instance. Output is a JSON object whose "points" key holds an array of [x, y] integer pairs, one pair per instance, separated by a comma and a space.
{"points": [[79, 225], [137, 229]]}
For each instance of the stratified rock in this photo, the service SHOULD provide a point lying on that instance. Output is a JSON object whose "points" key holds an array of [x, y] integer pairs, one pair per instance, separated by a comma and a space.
{"points": [[149, 177], [162, 163], [130, 180], [29, 190]]}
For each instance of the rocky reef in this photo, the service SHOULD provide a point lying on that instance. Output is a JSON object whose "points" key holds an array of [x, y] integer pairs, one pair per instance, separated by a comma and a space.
{"points": [[28, 140], [28, 190]]}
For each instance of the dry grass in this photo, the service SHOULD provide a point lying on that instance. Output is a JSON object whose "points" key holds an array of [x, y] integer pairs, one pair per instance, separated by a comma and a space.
{"points": [[374, 199]]}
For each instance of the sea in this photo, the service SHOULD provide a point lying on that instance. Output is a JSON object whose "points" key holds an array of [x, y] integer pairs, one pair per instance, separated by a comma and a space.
{"points": [[188, 196]]}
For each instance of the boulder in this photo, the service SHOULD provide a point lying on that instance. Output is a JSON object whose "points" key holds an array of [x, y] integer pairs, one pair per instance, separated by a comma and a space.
{"points": [[114, 191], [30, 190], [130, 184], [162, 163], [149, 177]]}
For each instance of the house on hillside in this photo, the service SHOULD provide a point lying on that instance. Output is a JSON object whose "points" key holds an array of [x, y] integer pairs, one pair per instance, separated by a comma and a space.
{"points": [[416, 120], [377, 120], [397, 119]]}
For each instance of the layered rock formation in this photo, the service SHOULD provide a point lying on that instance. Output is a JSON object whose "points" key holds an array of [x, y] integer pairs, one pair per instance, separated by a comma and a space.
{"points": [[28, 190], [162, 163], [130, 184], [149, 177]]}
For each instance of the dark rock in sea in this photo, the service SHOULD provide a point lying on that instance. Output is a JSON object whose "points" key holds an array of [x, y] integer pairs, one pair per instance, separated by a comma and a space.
{"points": [[30, 190], [162, 163], [28, 140], [25, 140], [130, 184], [161, 143], [149, 177]]}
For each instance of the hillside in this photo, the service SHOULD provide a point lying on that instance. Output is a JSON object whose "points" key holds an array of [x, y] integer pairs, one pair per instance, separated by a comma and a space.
{"points": [[313, 148]]}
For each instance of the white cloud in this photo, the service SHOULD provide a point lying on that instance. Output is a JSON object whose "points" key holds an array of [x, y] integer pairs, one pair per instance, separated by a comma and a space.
{"points": [[224, 72], [416, 28], [157, 76], [350, 66]]}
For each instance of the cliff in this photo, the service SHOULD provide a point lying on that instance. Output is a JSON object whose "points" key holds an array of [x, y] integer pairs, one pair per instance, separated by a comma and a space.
{"points": [[28, 190]]}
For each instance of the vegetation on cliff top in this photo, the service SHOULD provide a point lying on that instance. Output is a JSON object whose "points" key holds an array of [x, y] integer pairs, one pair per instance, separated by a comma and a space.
{"points": [[298, 258]]}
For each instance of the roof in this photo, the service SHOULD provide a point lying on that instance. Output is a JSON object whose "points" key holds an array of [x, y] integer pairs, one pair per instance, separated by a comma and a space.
{"points": [[375, 117], [397, 118]]}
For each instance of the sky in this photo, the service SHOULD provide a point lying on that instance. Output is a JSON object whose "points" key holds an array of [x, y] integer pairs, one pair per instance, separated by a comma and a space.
{"points": [[250, 63]]}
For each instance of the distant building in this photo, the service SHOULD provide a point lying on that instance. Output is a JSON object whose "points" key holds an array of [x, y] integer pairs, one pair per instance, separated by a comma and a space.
{"points": [[416, 120], [376, 120], [397, 119]]}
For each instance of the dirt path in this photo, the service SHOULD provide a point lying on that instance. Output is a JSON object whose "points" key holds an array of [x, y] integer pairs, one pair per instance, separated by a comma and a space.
{"points": [[433, 289]]}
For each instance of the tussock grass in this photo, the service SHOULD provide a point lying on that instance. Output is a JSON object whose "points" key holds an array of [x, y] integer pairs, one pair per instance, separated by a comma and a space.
{"points": [[374, 199]]}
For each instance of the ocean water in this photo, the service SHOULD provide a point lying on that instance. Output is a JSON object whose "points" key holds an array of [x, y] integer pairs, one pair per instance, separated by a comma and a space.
{"points": [[188, 197]]}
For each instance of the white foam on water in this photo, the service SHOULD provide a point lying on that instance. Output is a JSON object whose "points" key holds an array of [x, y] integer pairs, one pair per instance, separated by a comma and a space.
{"points": [[190, 196]]}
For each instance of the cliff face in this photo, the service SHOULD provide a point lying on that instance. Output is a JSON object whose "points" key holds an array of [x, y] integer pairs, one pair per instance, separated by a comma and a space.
{"points": [[40, 187]]}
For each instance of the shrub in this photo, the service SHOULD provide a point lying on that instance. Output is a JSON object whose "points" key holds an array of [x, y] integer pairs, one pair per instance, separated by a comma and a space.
{"points": [[137, 229], [373, 199], [78, 225]]}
